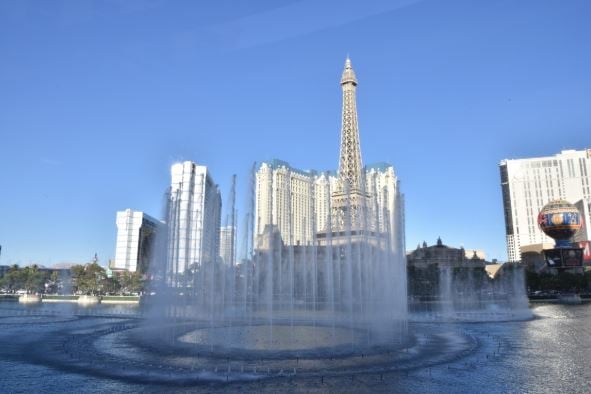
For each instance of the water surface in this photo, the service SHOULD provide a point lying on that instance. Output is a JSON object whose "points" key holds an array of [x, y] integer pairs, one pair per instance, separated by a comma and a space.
{"points": [[549, 354]]}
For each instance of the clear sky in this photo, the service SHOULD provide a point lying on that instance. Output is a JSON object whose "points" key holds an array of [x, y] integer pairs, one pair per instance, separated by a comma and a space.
{"points": [[99, 98]]}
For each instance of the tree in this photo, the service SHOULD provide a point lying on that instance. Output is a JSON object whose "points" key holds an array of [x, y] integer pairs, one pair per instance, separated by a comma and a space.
{"points": [[131, 282], [53, 282], [28, 278], [33, 280], [77, 277], [111, 285], [89, 278], [13, 279], [533, 280]]}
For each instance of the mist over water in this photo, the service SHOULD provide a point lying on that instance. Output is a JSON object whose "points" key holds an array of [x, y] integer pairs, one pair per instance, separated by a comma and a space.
{"points": [[347, 287], [466, 294]]}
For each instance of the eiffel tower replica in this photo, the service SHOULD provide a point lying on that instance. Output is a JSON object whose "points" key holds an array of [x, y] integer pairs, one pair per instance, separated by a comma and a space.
{"points": [[351, 217]]}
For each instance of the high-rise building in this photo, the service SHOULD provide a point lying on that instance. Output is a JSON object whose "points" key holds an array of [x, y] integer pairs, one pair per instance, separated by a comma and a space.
{"points": [[584, 207], [136, 237], [386, 202], [228, 245], [301, 204], [194, 209], [325, 184], [529, 184], [285, 200]]}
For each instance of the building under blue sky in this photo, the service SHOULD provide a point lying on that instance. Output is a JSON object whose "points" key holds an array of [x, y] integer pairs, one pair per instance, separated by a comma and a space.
{"points": [[99, 98]]}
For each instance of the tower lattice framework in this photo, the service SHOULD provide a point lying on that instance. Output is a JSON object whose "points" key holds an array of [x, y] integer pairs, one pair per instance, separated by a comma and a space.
{"points": [[350, 200]]}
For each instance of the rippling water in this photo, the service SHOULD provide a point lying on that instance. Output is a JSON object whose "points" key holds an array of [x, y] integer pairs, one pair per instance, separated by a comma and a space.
{"points": [[549, 354]]}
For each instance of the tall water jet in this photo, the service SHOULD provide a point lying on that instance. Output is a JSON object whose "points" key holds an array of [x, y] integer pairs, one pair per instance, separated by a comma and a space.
{"points": [[468, 294], [325, 275]]}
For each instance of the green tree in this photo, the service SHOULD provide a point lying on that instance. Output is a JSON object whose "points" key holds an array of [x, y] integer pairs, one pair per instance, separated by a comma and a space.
{"points": [[548, 282], [53, 282], [33, 280], [12, 280], [111, 285], [77, 277], [131, 282], [533, 280], [89, 278]]}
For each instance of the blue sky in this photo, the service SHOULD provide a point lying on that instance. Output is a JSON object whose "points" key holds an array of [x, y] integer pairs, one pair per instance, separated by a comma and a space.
{"points": [[99, 98]]}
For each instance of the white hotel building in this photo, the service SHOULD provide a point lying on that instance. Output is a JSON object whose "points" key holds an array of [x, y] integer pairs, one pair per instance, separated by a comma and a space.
{"points": [[284, 198], [194, 209], [529, 184], [136, 237], [228, 245]]}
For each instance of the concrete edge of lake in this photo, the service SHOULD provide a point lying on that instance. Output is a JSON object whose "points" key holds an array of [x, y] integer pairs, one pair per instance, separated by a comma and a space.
{"points": [[31, 298]]}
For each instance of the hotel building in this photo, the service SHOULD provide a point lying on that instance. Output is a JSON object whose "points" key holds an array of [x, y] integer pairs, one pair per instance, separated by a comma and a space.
{"points": [[529, 184], [136, 237], [194, 209]]}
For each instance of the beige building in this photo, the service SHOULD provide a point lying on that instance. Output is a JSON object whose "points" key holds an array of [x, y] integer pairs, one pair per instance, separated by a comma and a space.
{"points": [[443, 256], [475, 252], [284, 197], [298, 203]]}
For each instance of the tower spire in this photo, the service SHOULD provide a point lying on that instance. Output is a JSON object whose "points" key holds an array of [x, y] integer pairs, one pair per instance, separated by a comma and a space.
{"points": [[349, 201], [350, 165]]}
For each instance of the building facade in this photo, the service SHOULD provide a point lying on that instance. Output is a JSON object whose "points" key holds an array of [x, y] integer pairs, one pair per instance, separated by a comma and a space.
{"points": [[584, 207], [136, 238], [529, 184], [444, 257], [301, 204], [387, 203], [284, 198], [228, 245], [193, 218]]}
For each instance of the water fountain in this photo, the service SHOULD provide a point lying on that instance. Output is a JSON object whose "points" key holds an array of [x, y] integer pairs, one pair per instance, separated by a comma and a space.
{"points": [[468, 294], [332, 309], [447, 286], [344, 290], [288, 307]]}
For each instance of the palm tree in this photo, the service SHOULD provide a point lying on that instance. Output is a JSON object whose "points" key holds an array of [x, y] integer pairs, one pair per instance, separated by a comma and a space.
{"points": [[33, 279]]}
